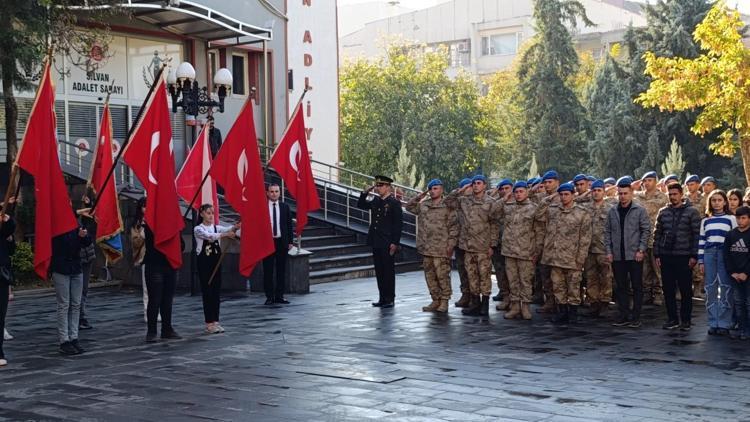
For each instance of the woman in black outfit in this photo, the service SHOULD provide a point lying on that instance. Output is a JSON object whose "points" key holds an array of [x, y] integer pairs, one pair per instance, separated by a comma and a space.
{"points": [[6, 273], [160, 282]]}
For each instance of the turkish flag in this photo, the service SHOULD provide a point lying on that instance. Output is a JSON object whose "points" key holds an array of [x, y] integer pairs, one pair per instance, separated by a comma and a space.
{"points": [[149, 152], [107, 211], [238, 169], [292, 161], [38, 156], [189, 179]]}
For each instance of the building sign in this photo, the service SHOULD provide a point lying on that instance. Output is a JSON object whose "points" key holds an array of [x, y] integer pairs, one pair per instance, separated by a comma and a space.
{"points": [[110, 73]]}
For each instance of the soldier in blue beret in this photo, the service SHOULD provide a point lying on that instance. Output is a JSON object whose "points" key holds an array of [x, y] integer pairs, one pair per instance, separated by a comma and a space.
{"points": [[464, 182], [651, 198], [581, 183]]}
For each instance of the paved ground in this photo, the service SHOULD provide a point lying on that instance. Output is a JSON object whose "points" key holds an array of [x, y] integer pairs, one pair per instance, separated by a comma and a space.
{"points": [[330, 356]]}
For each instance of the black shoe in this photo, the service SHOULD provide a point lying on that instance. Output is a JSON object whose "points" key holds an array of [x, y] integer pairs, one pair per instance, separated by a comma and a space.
{"points": [[269, 302], [562, 316], [474, 306], [377, 304], [150, 337], [76, 345], [170, 335], [621, 322], [386, 305], [282, 301], [713, 331], [573, 314], [635, 324], [67, 348], [722, 332], [670, 325], [685, 326], [484, 306], [84, 325], [734, 335], [497, 298]]}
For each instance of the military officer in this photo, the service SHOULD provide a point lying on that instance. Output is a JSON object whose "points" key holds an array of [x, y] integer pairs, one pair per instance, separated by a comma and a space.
{"points": [[694, 193], [460, 266], [551, 181], [597, 269], [437, 235], [581, 183], [503, 189], [566, 243], [652, 199], [708, 185], [384, 236]]}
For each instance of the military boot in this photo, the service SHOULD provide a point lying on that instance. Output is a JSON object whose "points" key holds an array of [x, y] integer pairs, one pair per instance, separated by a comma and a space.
{"points": [[548, 308], [525, 311], [473, 308], [514, 312], [498, 297], [432, 307], [573, 314], [595, 310], [443, 306], [484, 309], [504, 305], [463, 301], [562, 315]]}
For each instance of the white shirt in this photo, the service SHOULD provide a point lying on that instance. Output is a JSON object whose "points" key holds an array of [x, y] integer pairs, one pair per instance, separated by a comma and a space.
{"points": [[208, 233], [278, 218]]}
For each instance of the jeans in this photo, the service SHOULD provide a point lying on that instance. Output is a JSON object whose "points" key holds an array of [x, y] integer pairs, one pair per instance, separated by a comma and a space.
{"points": [[629, 274], [86, 268], [742, 306], [677, 274], [4, 293], [160, 284], [718, 289], [68, 288]]}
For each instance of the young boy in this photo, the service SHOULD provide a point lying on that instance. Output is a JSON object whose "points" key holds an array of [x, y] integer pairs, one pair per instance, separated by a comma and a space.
{"points": [[737, 260]]}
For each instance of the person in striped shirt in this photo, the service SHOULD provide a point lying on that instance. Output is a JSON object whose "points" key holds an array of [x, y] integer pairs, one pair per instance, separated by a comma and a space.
{"points": [[714, 229]]}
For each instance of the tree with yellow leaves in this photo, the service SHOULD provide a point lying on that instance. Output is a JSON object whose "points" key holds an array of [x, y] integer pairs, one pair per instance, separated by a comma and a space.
{"points": [[717, 83]]}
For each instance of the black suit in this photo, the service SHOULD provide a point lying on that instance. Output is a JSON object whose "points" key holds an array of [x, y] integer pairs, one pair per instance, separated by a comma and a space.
{"points": [[386, 223], [277, 260]]}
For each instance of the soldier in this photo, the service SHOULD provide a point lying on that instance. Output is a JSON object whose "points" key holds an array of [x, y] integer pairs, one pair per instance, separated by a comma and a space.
{"points": [[597, 268], [520, 248], [477, 235], [551, 181], [462, 276], [708, 185], [437, 237], [384, 235], [695, 198], [503, 189], [581, 183], [653, 200], [567, 238]]}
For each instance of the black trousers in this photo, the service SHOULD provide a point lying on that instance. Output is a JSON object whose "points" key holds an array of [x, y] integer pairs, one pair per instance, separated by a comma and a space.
{"points": [[211, 292], [677, 274], [629, 275], [3, 310], [385, 273], [160, 283], [277, 262]]}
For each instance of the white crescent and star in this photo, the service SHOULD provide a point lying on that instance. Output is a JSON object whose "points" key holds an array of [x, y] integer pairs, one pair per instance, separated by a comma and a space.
{"points": [[242, 171], [294, 157], [155, 140]]}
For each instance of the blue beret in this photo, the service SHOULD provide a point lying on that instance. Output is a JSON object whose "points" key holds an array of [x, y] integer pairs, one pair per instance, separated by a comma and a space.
{"points": [[464, 182], [479, 177], [566, 187], [591, 178], [579, 177], [434, 182], [671, 177], [651, 174], [708, 179], [598, 184], [533, 181], [609, 181], [504, 182], [693, 178], [520, 184], [624, 182], [550, 175]]}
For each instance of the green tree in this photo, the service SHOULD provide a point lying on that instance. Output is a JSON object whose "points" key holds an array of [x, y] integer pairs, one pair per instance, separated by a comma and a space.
{"points": [[674, 164], [406, 171], [556, 126], [502, 120]]}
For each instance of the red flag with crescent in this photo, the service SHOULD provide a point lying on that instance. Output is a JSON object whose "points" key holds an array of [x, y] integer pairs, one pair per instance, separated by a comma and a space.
{"points": [[292, 161], [150, 153], [196, 167], [238, 169]]}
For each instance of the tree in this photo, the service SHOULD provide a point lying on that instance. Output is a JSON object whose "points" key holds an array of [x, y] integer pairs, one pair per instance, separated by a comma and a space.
{"points": [[533, 167], [674, 164], [714, 82], [406, 172], [556, 126], [29, 29]]}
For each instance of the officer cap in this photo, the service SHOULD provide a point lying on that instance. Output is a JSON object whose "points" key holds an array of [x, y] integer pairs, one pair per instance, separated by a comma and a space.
{"points": [[649, 174], [624, 182], [434, 182], [609, 181], [708, 179], [693, 178], [579, 177], [597, 184], [566, 187], [479, 177], [520, 184], [551, 174], [504, 182], [383, 179], [464, 182]]}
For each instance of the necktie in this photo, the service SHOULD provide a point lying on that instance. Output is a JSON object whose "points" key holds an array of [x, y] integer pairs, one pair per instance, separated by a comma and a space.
{"points": [[275, 225]]}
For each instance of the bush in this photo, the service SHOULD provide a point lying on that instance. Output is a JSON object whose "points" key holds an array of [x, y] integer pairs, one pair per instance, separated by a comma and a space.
{"points": [[23, 264]]}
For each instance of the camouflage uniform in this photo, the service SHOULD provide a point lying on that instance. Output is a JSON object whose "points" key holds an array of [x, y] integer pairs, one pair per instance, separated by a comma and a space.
{"points": [[698, 201], [544, 281], [597, 269], [479, 233], [566, 243], [653, 202], [437, 234], [520, 246], [498, 262]]}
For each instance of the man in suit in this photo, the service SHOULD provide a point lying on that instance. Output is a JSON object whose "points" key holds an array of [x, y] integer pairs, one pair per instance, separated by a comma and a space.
{"points": [[282, 230], [384, 236]]}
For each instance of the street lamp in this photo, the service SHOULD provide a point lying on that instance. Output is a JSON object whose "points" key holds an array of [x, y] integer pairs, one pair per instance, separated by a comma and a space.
{"points": [[194, 100]]}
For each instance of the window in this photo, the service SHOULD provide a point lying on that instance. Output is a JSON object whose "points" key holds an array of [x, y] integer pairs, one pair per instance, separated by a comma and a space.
{"points": [[239, 74], [213, 62], [501, 44]]}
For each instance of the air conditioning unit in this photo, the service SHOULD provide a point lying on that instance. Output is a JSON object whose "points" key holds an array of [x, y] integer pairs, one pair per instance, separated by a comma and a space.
{"points": [[463, 47]]}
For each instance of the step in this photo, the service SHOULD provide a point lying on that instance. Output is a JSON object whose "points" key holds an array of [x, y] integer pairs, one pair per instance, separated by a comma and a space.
{"points": [[335, 250], [348, 273], [338, 261], [316, 231]]}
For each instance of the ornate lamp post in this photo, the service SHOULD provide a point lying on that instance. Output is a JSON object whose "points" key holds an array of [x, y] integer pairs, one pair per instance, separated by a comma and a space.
{"points": [[193, 99]]}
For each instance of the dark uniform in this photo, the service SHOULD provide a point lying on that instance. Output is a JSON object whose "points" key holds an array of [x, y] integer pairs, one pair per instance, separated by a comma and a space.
{"points": [[386, 221]]}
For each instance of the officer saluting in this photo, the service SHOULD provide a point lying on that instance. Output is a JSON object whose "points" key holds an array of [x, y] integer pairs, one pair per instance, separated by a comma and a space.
{"points": [[386, 221]]}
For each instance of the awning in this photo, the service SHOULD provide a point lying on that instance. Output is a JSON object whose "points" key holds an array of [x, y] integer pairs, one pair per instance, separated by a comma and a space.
{"points": [[189, 19]]}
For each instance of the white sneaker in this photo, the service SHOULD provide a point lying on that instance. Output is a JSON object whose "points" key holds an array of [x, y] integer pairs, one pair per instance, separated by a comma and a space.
{"points": [[3, 362], [213, 329], [221, 329], [6, 335]]}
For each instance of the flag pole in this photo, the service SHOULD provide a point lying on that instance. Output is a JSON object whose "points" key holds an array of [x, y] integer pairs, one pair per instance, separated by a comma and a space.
{"points": [[130, 132], [14, 176], [91, 171]]}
